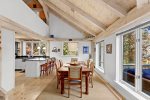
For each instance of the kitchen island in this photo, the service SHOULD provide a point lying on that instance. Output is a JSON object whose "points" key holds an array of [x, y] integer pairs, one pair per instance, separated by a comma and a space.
{"points": [[32, 68], [30, 65]]}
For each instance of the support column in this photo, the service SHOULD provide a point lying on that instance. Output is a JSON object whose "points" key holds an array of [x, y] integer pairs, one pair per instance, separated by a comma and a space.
{"points": [[7, 68], [24, 48]]}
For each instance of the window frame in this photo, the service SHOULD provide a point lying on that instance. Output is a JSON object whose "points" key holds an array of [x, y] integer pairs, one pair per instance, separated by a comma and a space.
{"points": [[121, 51], [138, 60], [98, 47]]}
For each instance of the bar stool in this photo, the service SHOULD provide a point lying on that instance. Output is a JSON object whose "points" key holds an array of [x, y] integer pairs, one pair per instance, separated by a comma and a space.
{"points": [[44, 69]]}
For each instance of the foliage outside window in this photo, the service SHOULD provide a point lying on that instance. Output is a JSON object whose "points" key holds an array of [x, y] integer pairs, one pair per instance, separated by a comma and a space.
{"points": [[43, 49], [129, 48], [35, 49], [28, 48]]}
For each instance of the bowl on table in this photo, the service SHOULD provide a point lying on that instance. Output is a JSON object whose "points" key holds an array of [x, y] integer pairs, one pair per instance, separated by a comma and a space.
{"points": [[74, 64]]}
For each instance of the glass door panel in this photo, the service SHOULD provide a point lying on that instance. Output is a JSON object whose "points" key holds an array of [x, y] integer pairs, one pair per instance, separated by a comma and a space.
{"points": [[101, 54], [36, 49], [28, 49], [129, 56], [43, 49], [145, 80]]}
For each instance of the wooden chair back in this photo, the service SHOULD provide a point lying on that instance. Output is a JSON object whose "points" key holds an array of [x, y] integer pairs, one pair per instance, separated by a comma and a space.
{"points": [[75, 73], [75, 78], [92, 67], [61, 63], [57, 64], [74, 59], [88, 63]]}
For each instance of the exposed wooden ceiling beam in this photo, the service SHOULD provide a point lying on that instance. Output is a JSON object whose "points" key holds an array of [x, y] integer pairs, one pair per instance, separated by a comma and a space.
{"points": [[11, 25], [116, 8], [86, 15], [68, 17], [44, 8], [140, 3]]}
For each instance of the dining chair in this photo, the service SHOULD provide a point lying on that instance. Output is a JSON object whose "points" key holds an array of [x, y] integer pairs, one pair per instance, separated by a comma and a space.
{"points": [[44, 69], [91, 73], [75, 78], [88, 63], [61, 63], [53, 60], [48, 61], [57, 65]]}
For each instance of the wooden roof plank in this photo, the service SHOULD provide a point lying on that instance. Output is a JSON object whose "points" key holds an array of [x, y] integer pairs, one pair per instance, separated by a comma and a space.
{"points": [[86, 15], [140, 3], [116, 8]]}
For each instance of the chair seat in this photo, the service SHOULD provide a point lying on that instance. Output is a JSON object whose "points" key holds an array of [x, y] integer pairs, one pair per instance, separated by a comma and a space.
{"points": [[75, 81]]}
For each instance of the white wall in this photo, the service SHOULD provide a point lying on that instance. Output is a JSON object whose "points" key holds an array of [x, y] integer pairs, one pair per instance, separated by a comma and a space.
{"points": [[60, 29], [110, 59], [59, 45], [19, 12], [7, 68]]}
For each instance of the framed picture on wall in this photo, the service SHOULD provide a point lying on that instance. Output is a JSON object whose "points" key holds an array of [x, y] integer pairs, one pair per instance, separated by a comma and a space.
{"points": [[109, 48], [85, 50], [70, 48]]}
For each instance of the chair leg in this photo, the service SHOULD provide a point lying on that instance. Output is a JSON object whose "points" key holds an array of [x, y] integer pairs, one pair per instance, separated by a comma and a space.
{"points": [[57, 83], [92, 82], [81, 90], [49, 70], [40, 73], [68, 90]]}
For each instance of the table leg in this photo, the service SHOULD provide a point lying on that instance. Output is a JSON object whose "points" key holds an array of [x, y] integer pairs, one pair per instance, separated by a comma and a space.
{"points": [[62, 85], [87, 84]]}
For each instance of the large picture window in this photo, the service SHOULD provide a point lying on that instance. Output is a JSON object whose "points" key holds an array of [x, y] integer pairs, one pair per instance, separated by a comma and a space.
{"points": [[129, 44], [36, 48], [145, 70], [134, 48]]}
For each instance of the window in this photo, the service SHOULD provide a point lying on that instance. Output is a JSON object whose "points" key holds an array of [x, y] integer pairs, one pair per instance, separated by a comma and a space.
{"points": [[100, 55], [128, 46], [28, 49], [43, 48], [36, 48], [134, 47], [145, 70]]}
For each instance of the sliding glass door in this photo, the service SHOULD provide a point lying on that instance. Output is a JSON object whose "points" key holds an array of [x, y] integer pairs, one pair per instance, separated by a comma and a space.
{"points": [[136, 60], [129, 56], [145, 63]]}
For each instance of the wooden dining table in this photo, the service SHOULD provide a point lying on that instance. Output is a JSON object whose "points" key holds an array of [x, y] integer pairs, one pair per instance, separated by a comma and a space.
{"points": [[64, 73]]}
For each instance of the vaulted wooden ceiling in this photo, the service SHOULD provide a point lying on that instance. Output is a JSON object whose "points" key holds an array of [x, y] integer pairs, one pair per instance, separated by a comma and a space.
{"points": [[91, 16]]}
